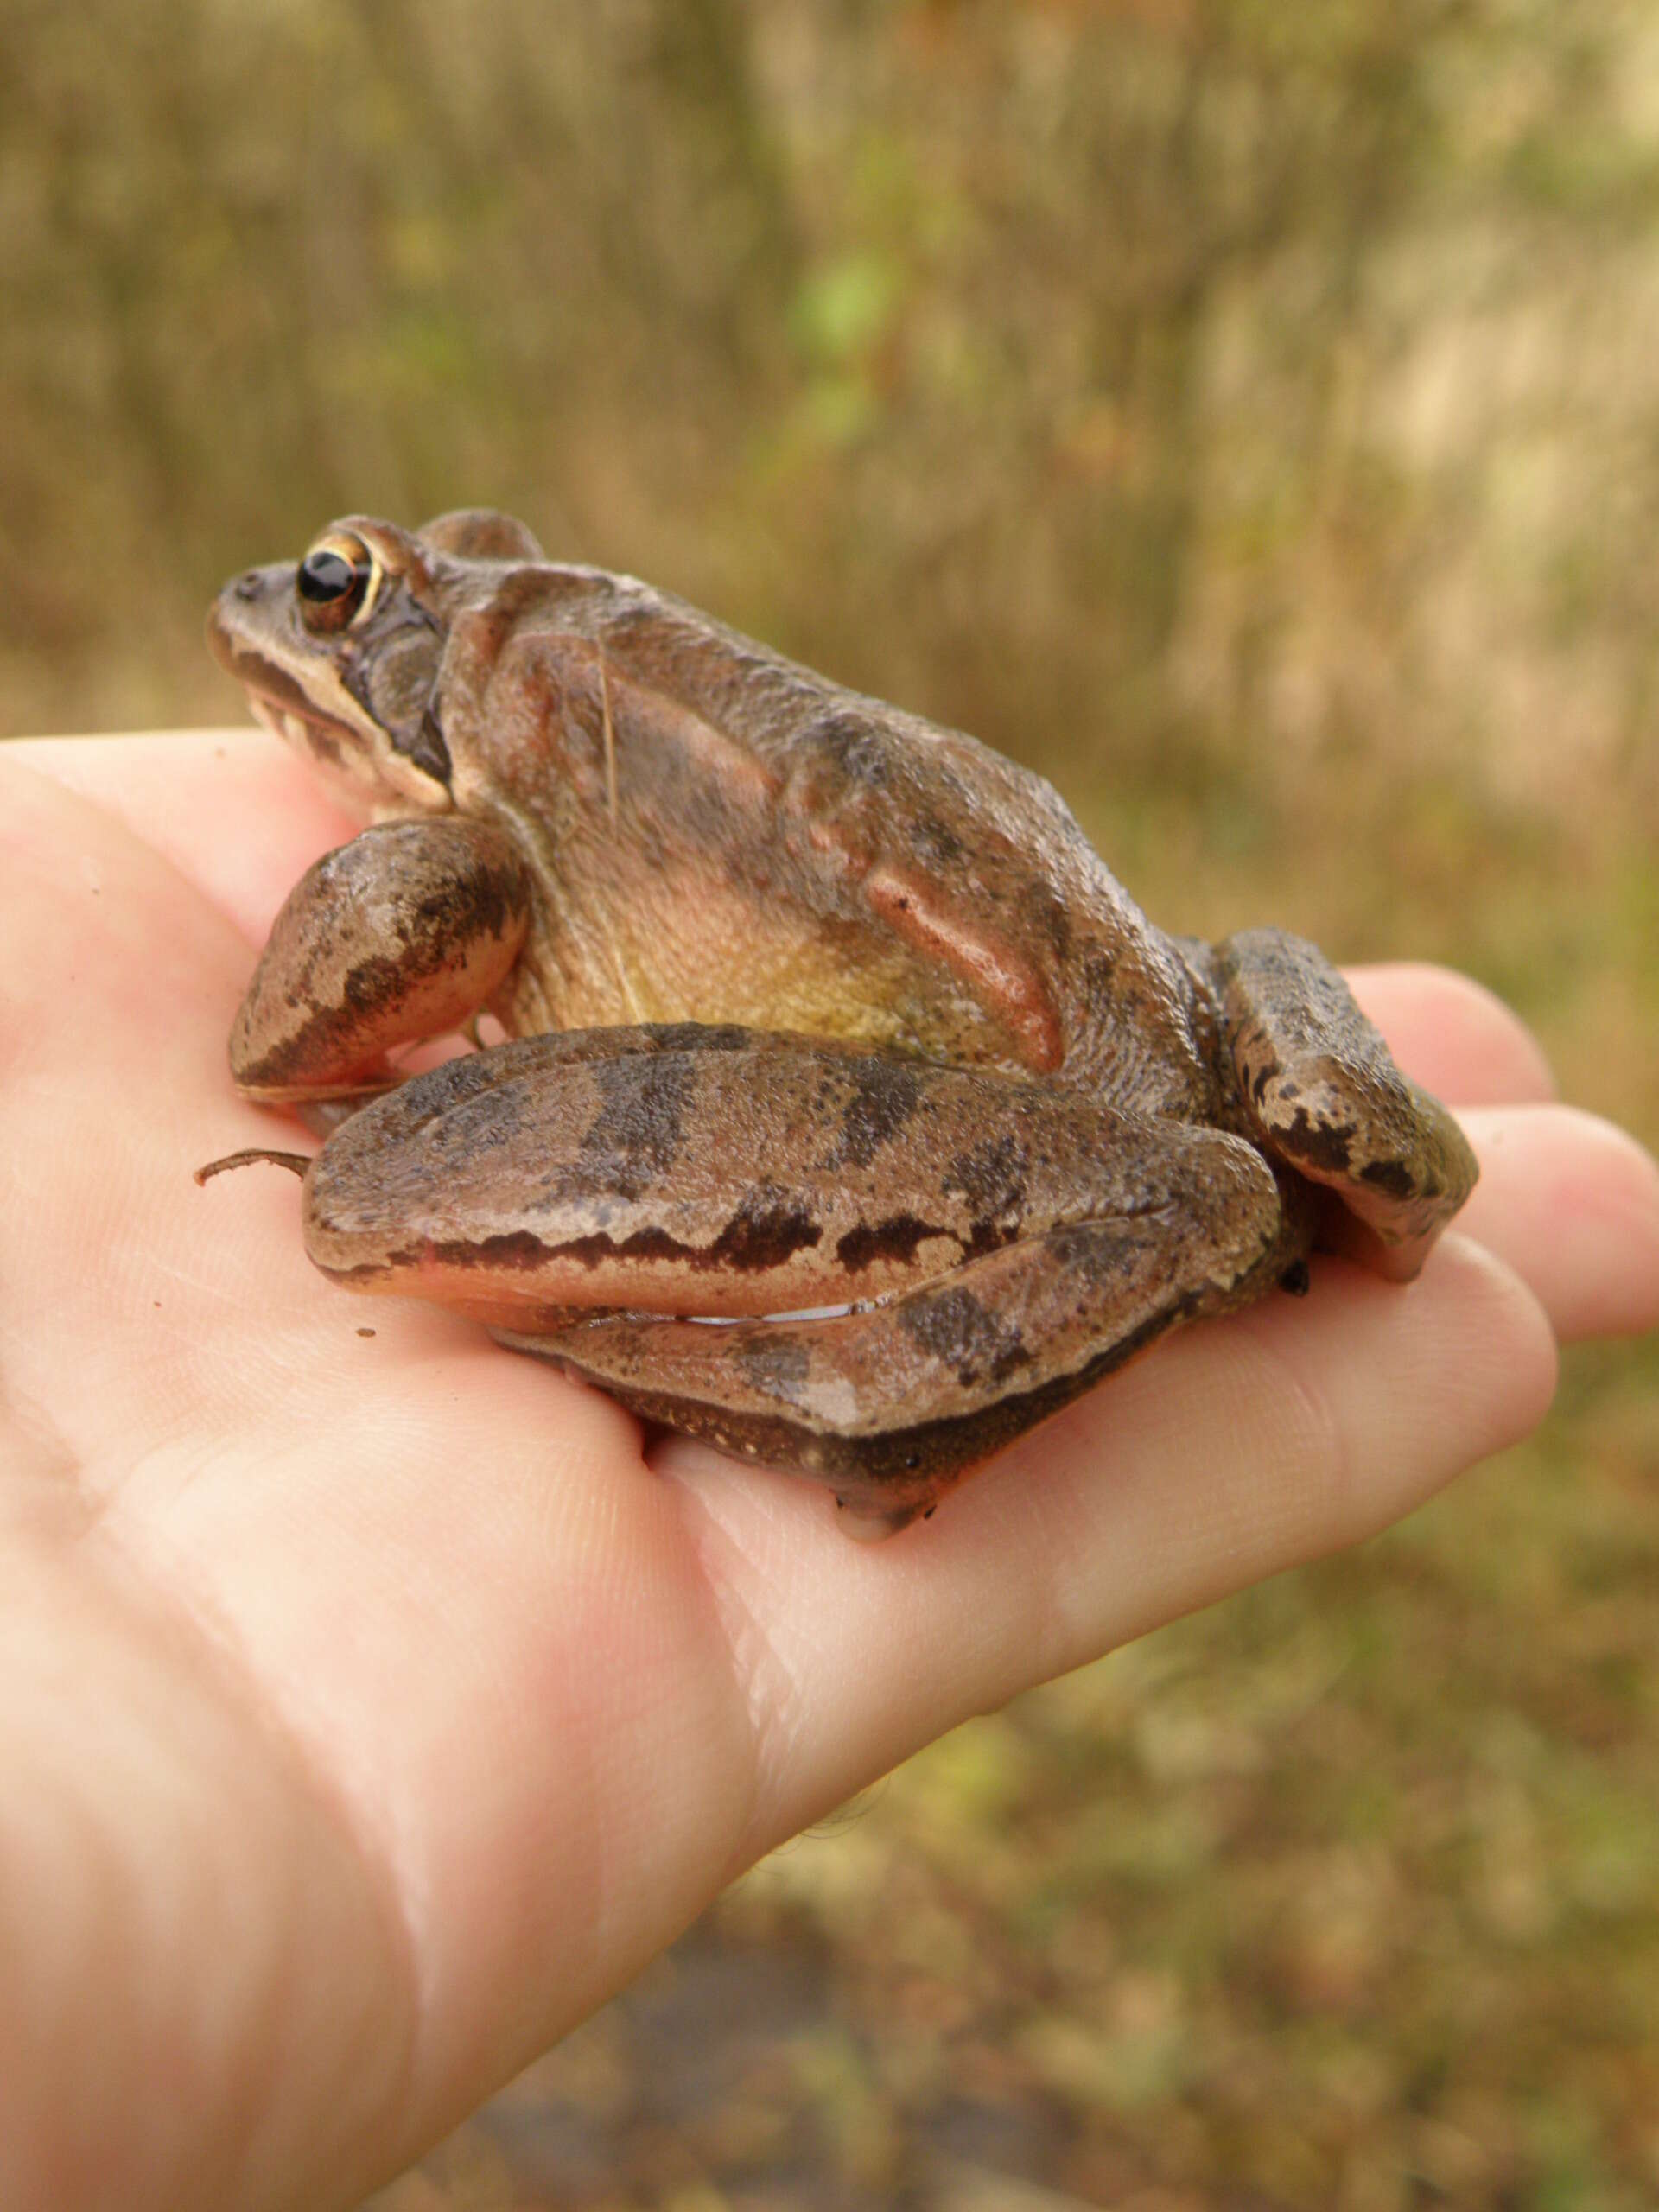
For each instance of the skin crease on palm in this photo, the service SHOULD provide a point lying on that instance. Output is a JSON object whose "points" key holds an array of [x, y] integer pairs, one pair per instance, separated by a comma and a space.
{"points": [[372, 1707]]}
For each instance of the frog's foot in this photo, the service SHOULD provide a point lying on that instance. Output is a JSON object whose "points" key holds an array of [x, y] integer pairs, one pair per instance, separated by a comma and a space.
{"points": [[1322, 1092]]}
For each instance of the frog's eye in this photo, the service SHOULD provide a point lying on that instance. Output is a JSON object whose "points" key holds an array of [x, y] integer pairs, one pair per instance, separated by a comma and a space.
{"points": [[337, 583]]}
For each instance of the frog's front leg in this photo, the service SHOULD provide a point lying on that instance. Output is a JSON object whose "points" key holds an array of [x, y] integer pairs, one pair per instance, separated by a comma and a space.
{"points": [[1321, 1091], [402, 934], [994, 1244]]}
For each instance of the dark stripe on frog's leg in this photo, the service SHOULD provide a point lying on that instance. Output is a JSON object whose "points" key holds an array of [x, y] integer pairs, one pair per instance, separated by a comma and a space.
{"points": [[710, 1172], [1321, 1089], [889, 1405], [402, 934]]}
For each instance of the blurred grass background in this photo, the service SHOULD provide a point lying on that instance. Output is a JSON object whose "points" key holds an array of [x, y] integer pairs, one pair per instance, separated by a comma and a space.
{"points": [[1247, 412]]}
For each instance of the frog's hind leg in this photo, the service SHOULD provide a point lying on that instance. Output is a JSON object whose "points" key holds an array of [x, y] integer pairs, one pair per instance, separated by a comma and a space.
{"points": [[1322, 1092], [662, 1209], [888, 1404]]}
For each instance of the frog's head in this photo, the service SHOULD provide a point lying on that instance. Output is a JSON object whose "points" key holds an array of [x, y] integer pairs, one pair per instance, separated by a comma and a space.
{"points": [[342, 654]]}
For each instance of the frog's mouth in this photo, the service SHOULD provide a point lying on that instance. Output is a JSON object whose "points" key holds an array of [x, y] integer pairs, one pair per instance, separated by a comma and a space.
{"points": [[328, 742], [278, 699]]}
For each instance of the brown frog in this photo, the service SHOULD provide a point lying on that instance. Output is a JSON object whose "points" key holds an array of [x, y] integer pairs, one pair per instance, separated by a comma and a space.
{"points": [[830, 1027]]}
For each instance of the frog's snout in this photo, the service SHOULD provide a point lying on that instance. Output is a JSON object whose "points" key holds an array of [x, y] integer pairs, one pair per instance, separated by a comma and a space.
{"points": [[233, 618]]}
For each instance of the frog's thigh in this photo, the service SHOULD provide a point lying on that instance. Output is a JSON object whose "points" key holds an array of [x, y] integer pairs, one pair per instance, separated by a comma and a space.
{"points": [[1325, 1095], [401, 934], [889, 1404]]}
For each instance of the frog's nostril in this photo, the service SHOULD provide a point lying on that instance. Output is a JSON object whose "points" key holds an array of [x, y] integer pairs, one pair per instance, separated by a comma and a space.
{"points": [[247, 585]]}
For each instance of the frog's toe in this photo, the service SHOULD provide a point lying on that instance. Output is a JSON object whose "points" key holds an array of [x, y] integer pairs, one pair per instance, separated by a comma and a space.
{"points": [[1400, 1167], [1323, 1094], [856, 1518]]}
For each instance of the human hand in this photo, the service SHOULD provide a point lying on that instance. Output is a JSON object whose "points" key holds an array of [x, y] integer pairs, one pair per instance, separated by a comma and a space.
{"points": [[371, 1708]]}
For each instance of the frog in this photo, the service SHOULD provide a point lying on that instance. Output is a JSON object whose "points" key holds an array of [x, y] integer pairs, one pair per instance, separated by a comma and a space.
{"points": [[846, 1113]]}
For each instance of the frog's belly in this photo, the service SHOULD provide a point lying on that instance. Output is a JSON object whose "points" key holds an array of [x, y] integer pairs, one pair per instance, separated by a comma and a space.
{"points": [[711, 959]]}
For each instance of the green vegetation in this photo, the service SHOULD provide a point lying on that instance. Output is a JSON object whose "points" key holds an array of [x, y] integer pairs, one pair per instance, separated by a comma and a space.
{"points": [[1248, 413]]}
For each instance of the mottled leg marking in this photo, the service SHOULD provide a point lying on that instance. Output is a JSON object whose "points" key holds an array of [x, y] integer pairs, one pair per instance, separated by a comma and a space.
{"points": [[1323, 1092], [889, 1404], [1000, 1243]]}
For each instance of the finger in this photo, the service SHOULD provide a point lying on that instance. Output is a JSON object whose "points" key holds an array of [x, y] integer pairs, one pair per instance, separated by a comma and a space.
{"points": [[116, 989], [233, 810], [1234, 1450], [1452, 1035], [84, 898], [1571, 1204]]}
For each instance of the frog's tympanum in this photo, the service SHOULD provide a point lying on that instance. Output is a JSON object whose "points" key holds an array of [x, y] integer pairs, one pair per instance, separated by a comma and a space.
{"points": [[854, 1118]]}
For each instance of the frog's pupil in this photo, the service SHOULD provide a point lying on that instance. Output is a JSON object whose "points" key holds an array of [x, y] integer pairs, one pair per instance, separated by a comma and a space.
{"points": [[325, 576]]}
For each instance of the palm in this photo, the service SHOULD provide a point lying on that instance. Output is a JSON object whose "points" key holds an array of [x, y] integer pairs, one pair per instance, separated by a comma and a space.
{"points": [[384, 1709]]}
